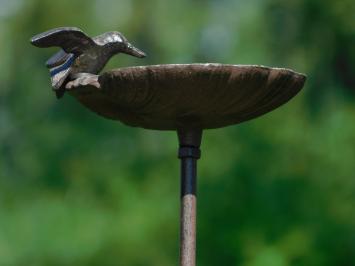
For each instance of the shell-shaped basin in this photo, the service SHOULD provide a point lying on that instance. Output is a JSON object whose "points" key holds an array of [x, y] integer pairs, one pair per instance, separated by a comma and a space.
{"points": [[204, 96]]}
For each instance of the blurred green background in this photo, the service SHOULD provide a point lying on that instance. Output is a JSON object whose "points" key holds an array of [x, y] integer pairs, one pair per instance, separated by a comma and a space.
{"points": [[76, 189]]}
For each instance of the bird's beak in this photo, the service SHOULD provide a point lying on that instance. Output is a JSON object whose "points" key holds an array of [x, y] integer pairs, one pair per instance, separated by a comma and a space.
{"points": [[131, 50]]}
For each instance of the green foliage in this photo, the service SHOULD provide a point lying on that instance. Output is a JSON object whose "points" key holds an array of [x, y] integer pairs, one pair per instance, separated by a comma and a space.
{"points": [[278, 191]]}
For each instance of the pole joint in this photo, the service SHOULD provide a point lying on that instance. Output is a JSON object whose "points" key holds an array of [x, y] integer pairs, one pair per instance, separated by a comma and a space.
{"points": [[189, 152]]}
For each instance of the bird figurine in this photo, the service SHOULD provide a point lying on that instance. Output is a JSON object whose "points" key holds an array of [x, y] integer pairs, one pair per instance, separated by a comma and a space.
{"points": [[80, 55]]}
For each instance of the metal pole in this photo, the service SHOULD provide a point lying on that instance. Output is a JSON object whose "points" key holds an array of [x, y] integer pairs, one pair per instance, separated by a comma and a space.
{"points": [[189, 153]]}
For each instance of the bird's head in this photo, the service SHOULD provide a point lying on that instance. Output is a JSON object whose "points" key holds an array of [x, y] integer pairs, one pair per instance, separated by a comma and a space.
{"points": [[120, 44]]}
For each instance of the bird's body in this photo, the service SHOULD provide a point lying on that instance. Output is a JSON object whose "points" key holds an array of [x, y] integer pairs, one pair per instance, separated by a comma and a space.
{"points": [[80, 53], [68, 65]]}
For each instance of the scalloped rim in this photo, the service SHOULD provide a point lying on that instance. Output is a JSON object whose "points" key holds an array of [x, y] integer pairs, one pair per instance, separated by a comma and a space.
{"points": [[206, 65]]}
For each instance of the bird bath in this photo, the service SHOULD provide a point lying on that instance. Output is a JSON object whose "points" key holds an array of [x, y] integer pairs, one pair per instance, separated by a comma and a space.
{"points": [[188, 99]]}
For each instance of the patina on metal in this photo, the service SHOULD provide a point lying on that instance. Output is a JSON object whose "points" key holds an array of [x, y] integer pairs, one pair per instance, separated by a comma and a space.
{"points": [[205, 96], [80, 53]]}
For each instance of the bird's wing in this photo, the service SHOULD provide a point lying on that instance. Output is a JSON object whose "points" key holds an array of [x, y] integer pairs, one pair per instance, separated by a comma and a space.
{"points": [[57, 59], [59, 78], [60, 73], [71, 39]]}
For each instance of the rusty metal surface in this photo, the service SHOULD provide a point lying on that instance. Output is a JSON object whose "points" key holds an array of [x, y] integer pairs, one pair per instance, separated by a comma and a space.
{"points": [[168, 97]]}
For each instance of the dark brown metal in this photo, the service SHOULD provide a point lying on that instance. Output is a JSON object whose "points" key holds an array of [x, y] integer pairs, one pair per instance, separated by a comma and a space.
{"points": [[189, 153], [186, 98], [80, 53], [168, 97]]}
